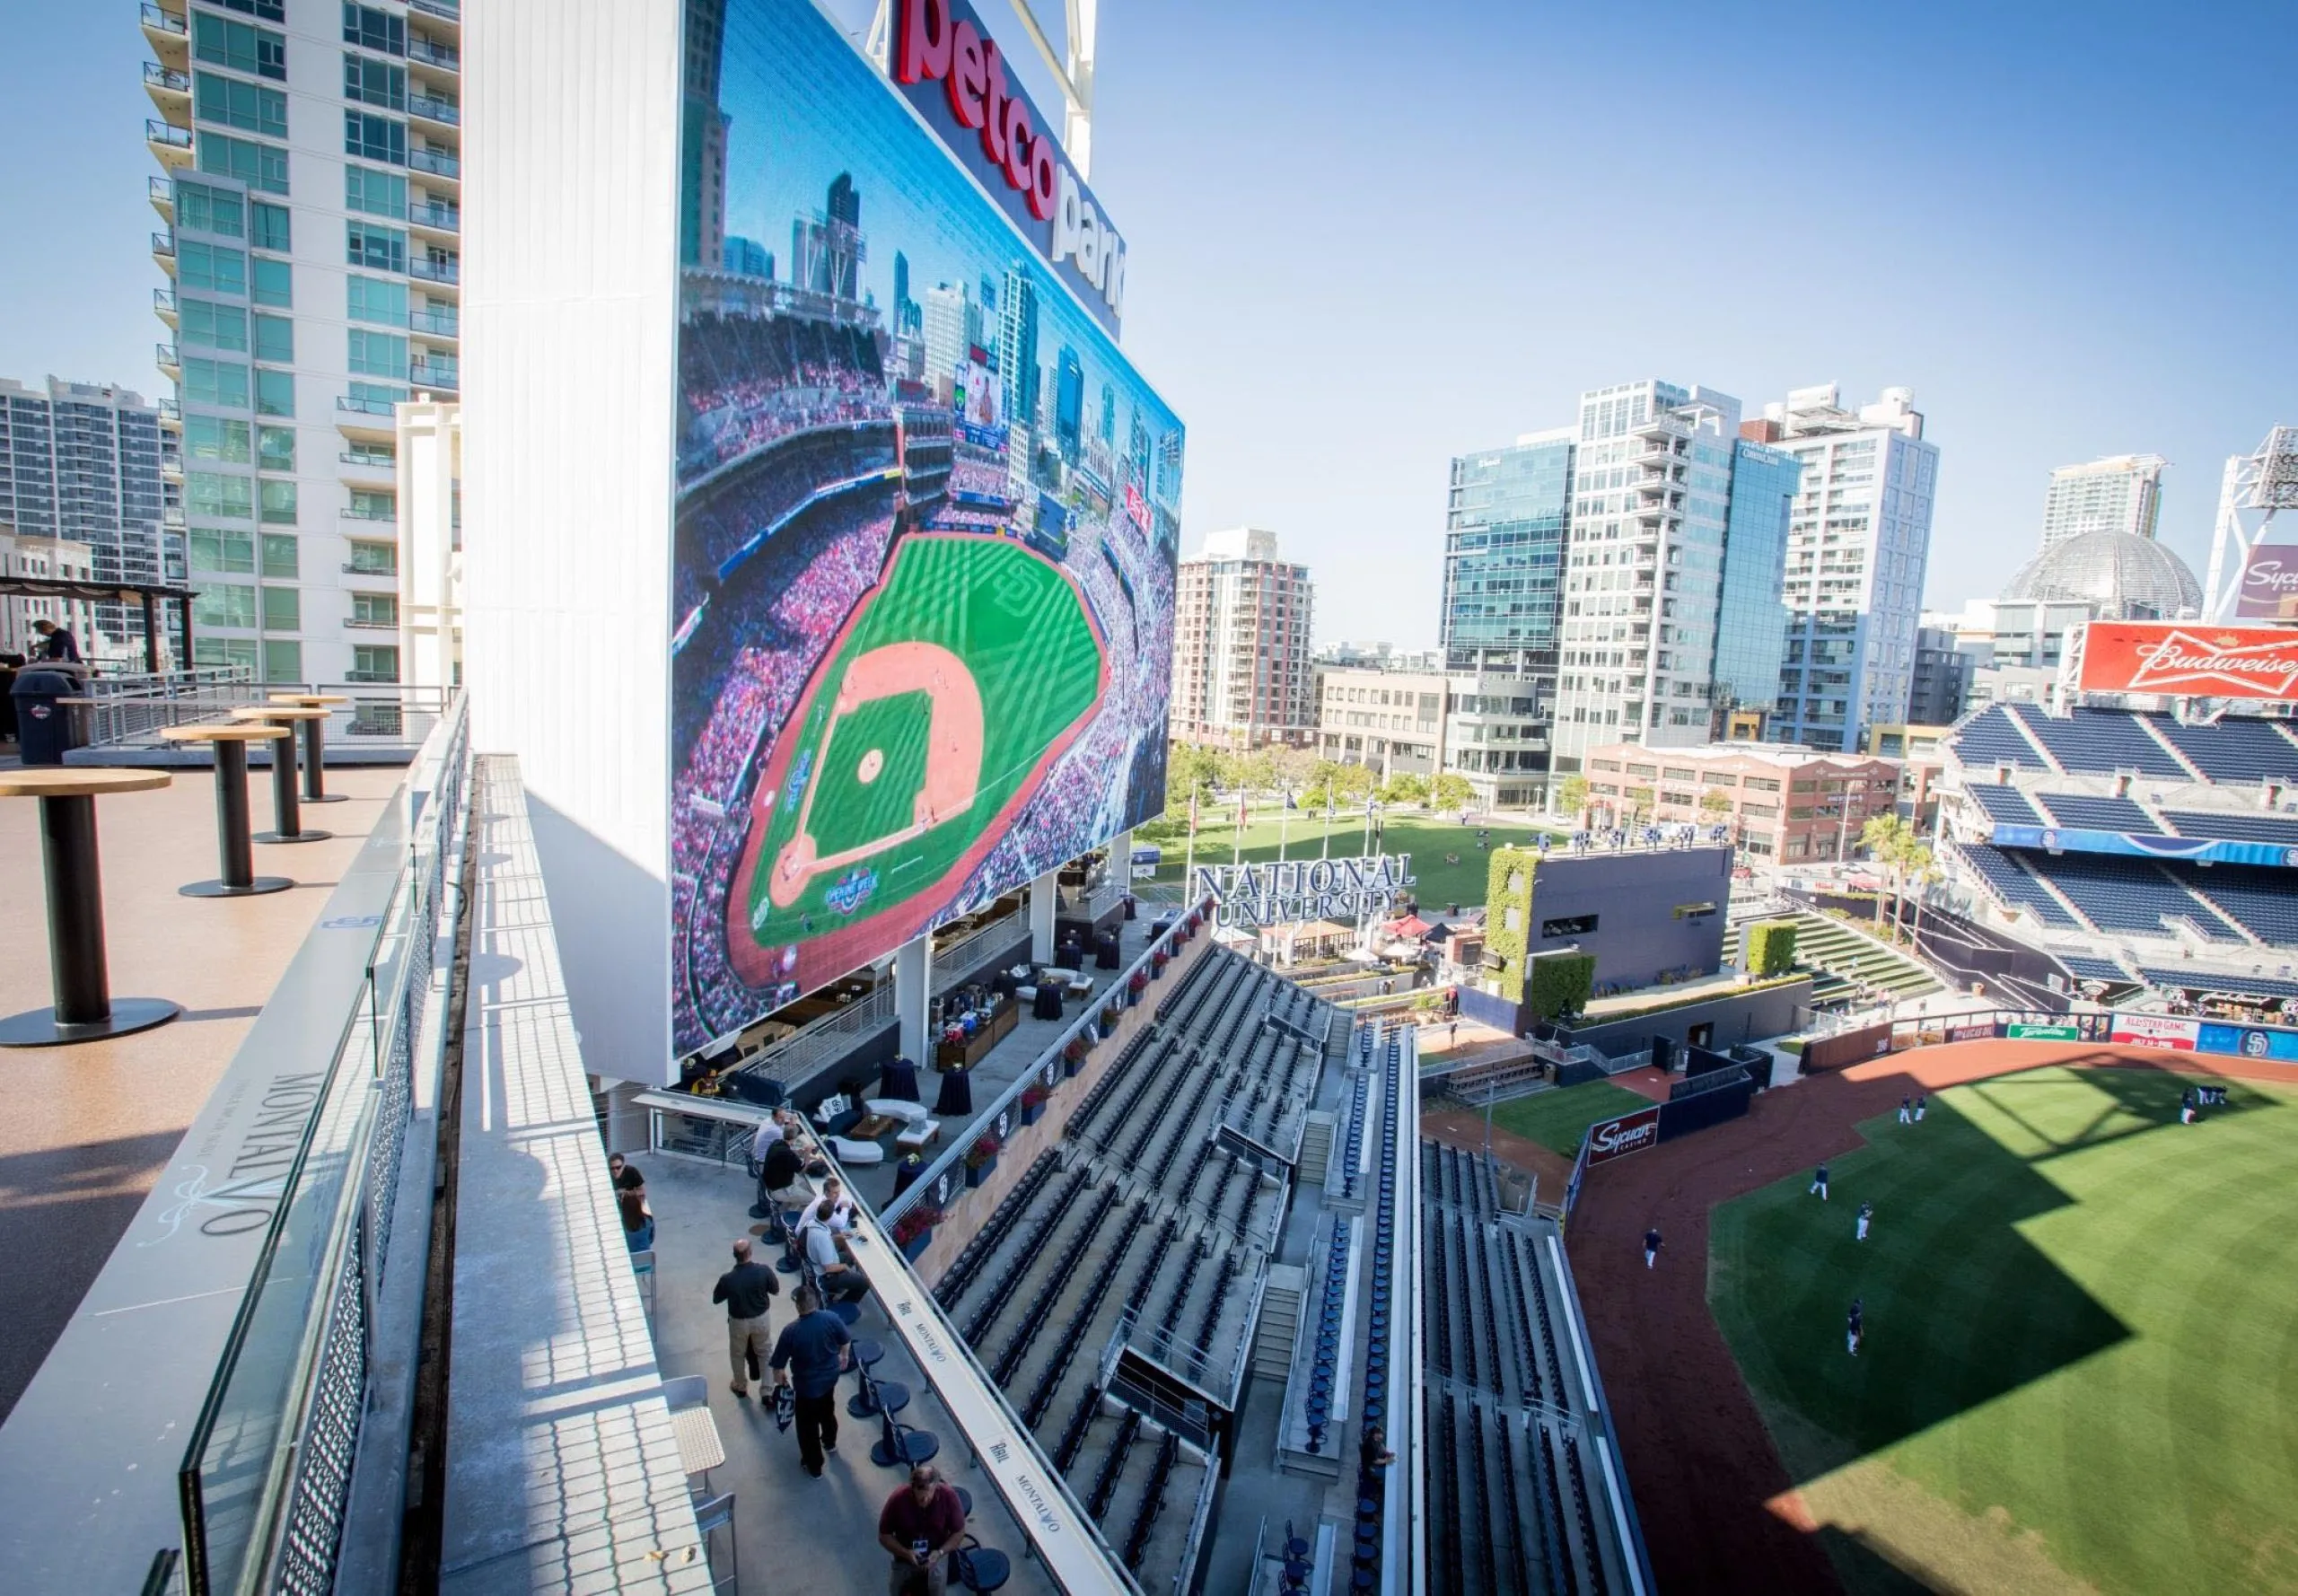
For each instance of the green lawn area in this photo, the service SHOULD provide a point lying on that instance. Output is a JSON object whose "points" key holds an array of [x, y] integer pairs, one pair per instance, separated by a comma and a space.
{"points": [[1427, 840], [1556, 1120], [2079, 1370]]}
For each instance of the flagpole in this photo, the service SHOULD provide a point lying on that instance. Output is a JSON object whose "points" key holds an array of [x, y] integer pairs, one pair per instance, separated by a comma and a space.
{"points": [[1189, 870], [1283, 818], [1237, 841], [1324, 847]]}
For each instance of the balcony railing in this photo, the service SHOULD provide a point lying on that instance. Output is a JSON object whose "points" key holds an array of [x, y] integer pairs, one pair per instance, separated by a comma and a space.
{"points": [[450, 9], [441, 163], [366, 407], [166, 353], [165, 243], [166, 133], [170, 410], [432, 109], [384, 515], [156, 76], [371, 678], [366, 624], [163, 305], [420, 48], [433, 373], [443, 218], [438, 323], [160, 21], [435, 271], [386, 572], [162, 195], [374, 462]]}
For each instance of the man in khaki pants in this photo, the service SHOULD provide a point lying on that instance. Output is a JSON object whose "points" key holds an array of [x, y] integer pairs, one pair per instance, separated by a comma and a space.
{"points": [[746, 1289]]}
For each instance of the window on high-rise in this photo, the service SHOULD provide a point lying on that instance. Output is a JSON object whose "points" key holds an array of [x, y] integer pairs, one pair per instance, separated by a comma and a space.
{"points": [[277, 500], [374, 82], [275, 447], [375, 193], [221, 42], [374, 30], [274, 283], [202, 209], [212, 268], [378, 249], [262, 167], [270, 11], [204, 325], [283, 660], [275, 393], [374, 138], [280, 556], [269, 227], [377, 353], [222, 651], [212, 494], [274, 339], [374, 663], [223, 383], [224, 549], [375, 299], [211, 437], [283, 608], [224, 604], [251, 108], [374, 609]]}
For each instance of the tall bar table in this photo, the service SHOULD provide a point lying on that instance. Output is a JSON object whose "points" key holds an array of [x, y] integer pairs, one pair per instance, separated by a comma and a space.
{"points": [[85, 1009], [234, 846], [314, 743], [287, 817]]}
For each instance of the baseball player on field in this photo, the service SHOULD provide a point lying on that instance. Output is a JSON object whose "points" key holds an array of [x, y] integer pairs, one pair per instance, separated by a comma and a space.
{"points": [[1921, 1102], [1820, 1182], [1651, 1246], [1866, 1212], [1906, 1112], [1855, 1328]]}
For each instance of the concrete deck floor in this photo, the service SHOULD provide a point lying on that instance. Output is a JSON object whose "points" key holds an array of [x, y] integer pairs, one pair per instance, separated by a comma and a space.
{"points": [[795, 1532], [84, 1130]]}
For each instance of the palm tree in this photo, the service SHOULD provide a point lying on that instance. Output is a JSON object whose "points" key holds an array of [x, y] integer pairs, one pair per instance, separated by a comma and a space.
{"points": [[1891, 843]]}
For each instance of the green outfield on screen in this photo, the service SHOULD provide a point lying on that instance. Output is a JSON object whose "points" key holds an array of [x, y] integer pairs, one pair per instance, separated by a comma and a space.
{"points": [[2080, 1369]]}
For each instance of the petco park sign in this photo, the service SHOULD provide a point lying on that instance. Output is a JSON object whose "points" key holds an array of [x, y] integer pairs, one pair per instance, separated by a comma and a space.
{"points": [[2195, 661], [1303, 889], [952, 72]]}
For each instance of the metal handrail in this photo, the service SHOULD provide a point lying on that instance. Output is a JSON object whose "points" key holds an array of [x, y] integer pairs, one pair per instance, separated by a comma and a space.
{"points": [[958, 956]]}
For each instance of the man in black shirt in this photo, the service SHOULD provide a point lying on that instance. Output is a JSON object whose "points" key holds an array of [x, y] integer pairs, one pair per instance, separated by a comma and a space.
{"points": [[746, 1290], [624, 1173], [809, 1355], [57, 643]]}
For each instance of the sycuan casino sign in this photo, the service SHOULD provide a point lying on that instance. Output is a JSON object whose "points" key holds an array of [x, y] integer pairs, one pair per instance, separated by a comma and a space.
{"points": [[1302, 888], [2190, 660], [950, 69]]}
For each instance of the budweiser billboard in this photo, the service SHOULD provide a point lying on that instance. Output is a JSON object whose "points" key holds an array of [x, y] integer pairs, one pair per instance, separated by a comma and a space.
{"points": [[2189, 659], [2270, 585], [1630, 1132]]}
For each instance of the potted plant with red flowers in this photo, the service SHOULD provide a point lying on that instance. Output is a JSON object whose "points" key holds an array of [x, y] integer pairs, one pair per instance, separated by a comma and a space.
{"points": [[982, 1160], [914, 1231], [1073, 1055], [1134, 988], [1033, 1101], [1157, 962], [1109, 1021]]}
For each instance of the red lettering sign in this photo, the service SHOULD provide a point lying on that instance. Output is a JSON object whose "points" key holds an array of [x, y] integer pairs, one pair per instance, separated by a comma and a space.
{"points": [[2188, 659], [929, 46], [1630, 1132]]}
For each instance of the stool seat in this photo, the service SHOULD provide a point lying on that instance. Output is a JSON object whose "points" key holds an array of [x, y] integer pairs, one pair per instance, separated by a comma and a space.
{"points": [[867, 1352], [914, 1447], [986, 1569], [881, 1396], [848, 1311]]}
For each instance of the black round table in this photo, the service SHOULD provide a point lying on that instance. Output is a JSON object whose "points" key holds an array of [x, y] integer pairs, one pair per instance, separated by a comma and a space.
{"points": [[957, 1094], [232, 842], [287, 815], [315, 743], [84, 1010], [899, 1081]]}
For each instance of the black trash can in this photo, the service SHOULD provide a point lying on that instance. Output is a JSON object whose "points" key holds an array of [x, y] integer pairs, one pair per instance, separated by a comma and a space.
{"points": [[43, 722]]}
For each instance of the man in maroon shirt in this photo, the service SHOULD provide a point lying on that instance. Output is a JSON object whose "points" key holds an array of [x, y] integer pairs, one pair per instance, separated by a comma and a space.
{"points": [[921, 1524]]}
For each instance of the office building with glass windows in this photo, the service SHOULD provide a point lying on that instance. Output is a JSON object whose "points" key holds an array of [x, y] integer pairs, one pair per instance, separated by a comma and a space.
{"points": [[1504, 556], [81, 464], [310, 183], [2120, 494], [1858, 542]]}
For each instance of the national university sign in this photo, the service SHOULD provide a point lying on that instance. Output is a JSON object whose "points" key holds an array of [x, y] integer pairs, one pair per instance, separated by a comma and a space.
{"points": [[1302, 888]]}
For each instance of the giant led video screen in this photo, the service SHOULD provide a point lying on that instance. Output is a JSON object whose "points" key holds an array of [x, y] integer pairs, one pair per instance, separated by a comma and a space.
{"points": [[925, 531]]}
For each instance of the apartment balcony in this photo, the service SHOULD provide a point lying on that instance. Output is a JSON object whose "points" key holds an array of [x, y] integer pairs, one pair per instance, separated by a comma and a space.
{"points": [[366, 418], [435, 373], [431, 53], [372, 678], [379, 574], [171, 518], [452, 9], [163, 305], [435, 162], [170, 414], [352, 623], [427, 270], [166, 353], [436, 218], [166, 29], [430, 108], [385, 517], [163, 195], [170, 91], [169, 144], [357, 462], [163, 250], [439, 321]]}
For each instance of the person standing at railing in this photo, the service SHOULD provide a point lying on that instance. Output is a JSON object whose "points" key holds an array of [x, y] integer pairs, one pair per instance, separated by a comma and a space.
{"points": [[56, 645]]}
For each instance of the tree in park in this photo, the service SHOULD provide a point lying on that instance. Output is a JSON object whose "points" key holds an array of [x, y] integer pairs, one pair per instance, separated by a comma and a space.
{"points": [[1255, 771], [1897, 845], [1716, 803], [1405, 787], [1451, 791], [1295, 766], [1572, 799], [1189, 768], [1639, 803]]}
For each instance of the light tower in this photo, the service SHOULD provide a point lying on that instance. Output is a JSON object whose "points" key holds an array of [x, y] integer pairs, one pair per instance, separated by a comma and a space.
{"points": [[2255, 490]]}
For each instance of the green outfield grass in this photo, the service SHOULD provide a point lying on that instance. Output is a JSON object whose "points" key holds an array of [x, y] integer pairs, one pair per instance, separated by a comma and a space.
{"points": [[2080, 1369], [1557, 1119], [1018, 625], [1439, 881]]}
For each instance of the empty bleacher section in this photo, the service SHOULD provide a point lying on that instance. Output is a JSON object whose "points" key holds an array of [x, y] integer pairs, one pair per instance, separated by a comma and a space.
{"points": [[2101, 740], [1112, 1295], [2250, 827], [2085, 968], [1514, 1494], [2263, 901], [2236, 749], [2010, 885], [2133, 895], [2005, 806], [2096, 814], [1992, 737]]}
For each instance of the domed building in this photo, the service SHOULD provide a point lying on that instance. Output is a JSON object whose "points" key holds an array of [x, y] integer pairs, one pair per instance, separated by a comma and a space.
{"points": [[2125, 576]]}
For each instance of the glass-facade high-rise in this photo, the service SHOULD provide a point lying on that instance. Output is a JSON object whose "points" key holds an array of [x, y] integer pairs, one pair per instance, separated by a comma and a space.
{"points": [[82, 463], [312, 182], [1504, 556], [1751, 626]]}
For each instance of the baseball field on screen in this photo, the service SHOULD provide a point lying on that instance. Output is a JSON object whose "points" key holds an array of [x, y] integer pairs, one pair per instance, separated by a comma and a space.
{"points": [[2079, 1370], [960, 678]]}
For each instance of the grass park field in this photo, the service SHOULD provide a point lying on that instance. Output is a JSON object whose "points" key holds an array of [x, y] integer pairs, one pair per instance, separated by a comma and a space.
{"points": [[1447, 865], [2080, 1364], [1557, 1119]]}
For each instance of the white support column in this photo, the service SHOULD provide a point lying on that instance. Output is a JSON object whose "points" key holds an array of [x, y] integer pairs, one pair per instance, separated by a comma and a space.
{"points": [[913, 991], [1045, 897]]}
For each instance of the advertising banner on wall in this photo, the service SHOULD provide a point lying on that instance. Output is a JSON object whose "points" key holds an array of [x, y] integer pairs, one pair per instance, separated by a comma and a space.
{"points": [[2188, 658], [922, 650], [2269, 583], [2156, 1030], [2146, 845], [1630, 1132]]}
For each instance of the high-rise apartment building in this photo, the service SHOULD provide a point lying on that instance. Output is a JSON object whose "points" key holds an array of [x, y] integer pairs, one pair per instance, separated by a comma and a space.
{"points": [[1017, 346], [951, 324], [1240, 644], [1649, 562], [311, 154], [1858, 540], [2120, 494], [1504, 530], [82, 463]]}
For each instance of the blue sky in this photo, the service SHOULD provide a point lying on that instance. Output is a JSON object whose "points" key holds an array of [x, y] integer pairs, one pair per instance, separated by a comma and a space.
{"points": [[1365, 238]]}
